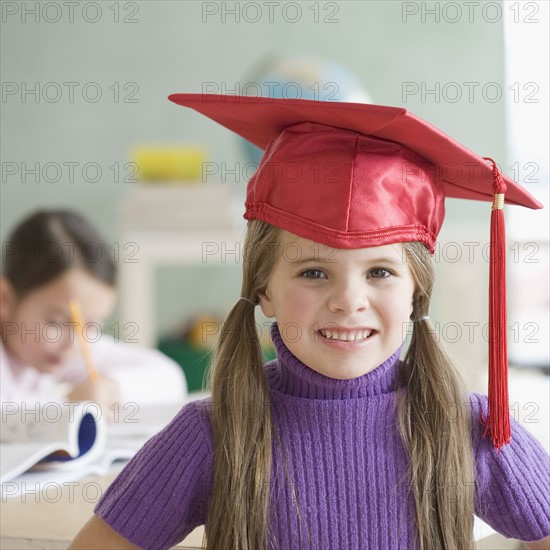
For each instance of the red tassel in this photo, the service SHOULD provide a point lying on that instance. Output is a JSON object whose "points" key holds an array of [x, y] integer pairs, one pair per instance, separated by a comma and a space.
{"points": [[498, 422]]}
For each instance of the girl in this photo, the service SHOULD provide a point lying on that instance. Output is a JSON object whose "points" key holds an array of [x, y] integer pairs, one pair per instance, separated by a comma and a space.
{"points": [[51, 258], [337, 443]]}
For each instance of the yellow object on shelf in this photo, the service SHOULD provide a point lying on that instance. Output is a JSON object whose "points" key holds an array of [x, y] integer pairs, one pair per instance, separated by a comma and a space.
{"points": [[204, 331], [169, 164]]}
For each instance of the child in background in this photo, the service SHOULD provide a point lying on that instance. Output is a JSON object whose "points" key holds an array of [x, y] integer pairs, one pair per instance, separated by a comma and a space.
{"points": [[338, 443], [51, 258]]}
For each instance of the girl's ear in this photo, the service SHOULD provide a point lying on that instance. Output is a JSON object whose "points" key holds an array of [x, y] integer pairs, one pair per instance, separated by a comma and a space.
{"points": [[7, 299], [266, 304]]}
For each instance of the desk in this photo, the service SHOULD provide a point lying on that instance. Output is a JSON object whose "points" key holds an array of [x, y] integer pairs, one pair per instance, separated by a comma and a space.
{"points": [[34, 523], [50, 521], [52, 513]]}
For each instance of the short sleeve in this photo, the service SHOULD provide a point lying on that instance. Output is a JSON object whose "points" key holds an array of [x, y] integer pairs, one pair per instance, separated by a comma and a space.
{"points": [[163, 492], [512, 490]]}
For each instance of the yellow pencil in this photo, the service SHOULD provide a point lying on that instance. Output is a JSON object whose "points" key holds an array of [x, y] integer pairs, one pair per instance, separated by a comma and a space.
{"points": [[76, 316]]}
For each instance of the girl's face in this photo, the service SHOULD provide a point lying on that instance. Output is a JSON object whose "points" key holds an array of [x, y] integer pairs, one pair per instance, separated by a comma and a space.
{"points": [[342, 312], [37, 329]]}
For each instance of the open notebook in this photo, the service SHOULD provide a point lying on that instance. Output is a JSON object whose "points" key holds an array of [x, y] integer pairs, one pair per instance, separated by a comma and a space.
{"points": [[65, 442]]}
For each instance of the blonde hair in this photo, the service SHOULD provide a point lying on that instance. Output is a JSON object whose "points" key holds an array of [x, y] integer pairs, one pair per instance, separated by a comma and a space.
{"points": [[438, 445], [435, 425], [241, 414]]}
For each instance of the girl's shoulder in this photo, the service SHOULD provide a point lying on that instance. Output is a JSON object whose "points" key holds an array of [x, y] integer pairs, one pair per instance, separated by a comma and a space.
{"points": [[523, 439], [511, 484], [479, 404], [196, 412], [162, 493]]}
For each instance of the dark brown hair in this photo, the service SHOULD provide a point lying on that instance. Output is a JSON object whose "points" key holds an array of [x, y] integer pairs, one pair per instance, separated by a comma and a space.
{"points": [[50, 242]]}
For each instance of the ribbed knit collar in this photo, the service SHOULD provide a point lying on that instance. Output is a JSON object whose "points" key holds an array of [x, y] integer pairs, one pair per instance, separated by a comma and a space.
{"points": [[289, 375]]}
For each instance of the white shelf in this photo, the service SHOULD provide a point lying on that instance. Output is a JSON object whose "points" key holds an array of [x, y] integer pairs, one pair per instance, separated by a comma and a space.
{"points": [[199, 224]]}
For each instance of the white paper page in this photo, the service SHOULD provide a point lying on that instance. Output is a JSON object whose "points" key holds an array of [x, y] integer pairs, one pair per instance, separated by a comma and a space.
{"points": [[28, 438]]}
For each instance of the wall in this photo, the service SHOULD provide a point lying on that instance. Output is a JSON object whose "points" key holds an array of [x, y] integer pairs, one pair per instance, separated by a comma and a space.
{"points": [[177, 47]]}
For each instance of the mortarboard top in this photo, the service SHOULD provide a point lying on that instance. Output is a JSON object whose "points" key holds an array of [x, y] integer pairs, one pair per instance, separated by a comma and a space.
{"points": [[352, 175], [260, 120]]}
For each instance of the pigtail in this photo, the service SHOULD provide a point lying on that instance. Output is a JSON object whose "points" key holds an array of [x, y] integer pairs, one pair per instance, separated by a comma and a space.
{"points": [[435, 425], [241, 414], [241, 424]]}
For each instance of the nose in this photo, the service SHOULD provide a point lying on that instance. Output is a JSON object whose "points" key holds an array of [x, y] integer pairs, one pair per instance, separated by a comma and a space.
{"points": [[348, 297], [69, 339]]}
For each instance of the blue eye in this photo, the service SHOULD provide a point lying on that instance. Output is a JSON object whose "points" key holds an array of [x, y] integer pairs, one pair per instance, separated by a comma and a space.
{"points": [[312, 274], [379, 273]]}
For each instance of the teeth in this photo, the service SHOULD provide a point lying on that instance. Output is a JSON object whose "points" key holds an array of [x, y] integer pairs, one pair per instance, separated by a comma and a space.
{"points": [[346, 336]]}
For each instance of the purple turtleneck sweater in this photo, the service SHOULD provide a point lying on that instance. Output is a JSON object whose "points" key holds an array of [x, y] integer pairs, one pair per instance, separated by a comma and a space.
{"points": [[345, 457]]}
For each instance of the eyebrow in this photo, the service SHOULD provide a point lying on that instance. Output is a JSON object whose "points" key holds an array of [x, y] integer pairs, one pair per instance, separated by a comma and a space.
{"points": [[313, 259]]}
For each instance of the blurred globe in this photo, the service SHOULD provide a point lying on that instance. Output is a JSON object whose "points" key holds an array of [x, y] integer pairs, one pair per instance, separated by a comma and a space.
{"points": [[303, 77]]}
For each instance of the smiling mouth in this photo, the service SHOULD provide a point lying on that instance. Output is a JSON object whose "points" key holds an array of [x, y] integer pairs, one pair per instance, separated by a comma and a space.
{"points": [[347, 336]]}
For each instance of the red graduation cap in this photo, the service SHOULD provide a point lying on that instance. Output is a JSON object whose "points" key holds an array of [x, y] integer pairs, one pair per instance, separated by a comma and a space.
{"points": [[351, 175]]}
